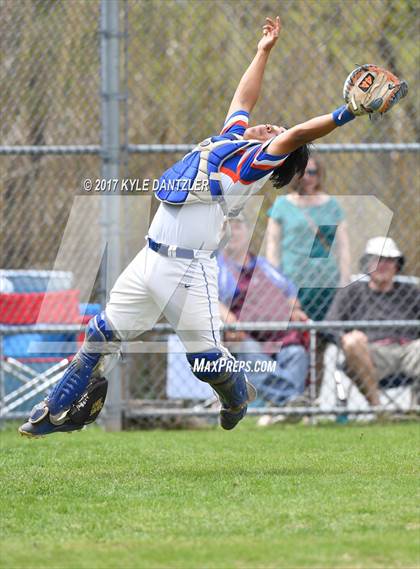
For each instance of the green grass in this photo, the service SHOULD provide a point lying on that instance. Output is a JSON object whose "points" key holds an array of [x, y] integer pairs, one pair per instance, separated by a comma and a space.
{"points": [[282, 497]]}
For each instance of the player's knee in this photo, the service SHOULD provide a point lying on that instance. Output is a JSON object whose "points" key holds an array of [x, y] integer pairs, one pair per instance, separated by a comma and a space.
{"points": [[98, 329], [218, 369], [100, 337], [354, 341], [100, 340], [211, 366]]}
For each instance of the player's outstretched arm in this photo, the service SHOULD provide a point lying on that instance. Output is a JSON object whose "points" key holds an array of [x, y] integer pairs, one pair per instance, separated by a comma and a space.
{"points": [[309, 131], [368, 89], [248, 90]]}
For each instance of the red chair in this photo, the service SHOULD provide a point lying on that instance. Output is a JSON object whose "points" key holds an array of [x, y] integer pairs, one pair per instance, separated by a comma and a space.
{"points": [[35, 358]]}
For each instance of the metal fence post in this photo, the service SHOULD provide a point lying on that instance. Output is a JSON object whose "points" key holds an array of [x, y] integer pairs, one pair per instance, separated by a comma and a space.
{"points": [[110, 209]]}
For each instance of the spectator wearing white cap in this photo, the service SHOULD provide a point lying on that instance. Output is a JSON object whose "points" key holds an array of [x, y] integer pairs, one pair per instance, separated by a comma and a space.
{"points": [[376, 353]]}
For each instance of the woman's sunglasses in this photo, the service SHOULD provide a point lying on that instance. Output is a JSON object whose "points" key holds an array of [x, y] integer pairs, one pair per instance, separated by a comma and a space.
{"points": [[311, 171]]}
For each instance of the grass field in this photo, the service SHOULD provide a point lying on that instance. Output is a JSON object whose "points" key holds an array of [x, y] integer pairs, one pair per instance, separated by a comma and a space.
{"points": [[281, 497]]}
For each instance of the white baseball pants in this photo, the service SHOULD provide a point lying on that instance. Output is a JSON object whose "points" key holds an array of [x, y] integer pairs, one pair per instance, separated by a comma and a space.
{"points": [[185, 291]]}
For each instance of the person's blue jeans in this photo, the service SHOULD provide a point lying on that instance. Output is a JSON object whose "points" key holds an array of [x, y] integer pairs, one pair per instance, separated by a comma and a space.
{"points": [[288, 379]]}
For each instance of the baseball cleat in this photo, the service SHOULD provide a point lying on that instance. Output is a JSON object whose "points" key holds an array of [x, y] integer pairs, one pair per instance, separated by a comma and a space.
{"points": [[46, 428], [230, 417], [39, 424]]}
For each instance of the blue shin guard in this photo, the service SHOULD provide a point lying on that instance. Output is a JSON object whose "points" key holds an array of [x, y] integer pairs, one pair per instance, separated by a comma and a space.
{"points": [[77, 375], [51, 415], [231, 385]]}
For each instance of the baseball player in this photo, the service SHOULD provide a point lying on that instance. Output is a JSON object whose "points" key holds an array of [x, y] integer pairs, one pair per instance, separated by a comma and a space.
{"points": [[176, 272]]}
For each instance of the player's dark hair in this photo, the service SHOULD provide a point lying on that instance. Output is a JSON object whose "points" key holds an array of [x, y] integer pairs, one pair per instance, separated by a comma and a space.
{"points": [[295, 164]]}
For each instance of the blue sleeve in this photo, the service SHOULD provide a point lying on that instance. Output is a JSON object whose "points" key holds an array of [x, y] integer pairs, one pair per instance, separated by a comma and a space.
{"points": [[236, 123], [256, 163], [277, 278], [291, 289]]}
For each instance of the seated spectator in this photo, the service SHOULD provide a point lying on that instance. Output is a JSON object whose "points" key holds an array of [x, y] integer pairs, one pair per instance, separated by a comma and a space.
{"points": [[376, 353], [250, 289]]}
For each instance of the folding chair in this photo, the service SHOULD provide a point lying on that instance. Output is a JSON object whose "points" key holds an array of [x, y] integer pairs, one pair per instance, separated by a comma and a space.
{"points": [[28, 371], [397, 392]]}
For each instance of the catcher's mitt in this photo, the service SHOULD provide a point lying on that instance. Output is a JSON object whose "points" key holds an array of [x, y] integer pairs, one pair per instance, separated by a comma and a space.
{"points": [[372, 89], [87, 408]]}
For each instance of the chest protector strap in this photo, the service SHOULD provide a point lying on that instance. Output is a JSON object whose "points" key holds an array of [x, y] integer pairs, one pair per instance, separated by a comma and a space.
{"points": [[204, 179], [204, 183]]}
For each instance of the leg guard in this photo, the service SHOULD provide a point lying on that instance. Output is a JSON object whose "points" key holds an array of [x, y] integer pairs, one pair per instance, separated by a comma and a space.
{"points": [[76, 377], [83, 411], [231, 385], [78, 388]]}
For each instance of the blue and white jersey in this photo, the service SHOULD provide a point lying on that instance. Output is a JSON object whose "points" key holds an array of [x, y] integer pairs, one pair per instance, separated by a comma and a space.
{"points": [[245, 171]]}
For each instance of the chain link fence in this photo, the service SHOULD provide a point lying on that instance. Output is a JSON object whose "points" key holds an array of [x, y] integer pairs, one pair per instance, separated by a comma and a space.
{"points": [[178, 66]]}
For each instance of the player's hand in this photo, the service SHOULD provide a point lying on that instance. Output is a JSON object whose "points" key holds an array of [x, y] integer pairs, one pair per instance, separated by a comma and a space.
{"points": [[271, 31], [235, 336], [298, 315]]}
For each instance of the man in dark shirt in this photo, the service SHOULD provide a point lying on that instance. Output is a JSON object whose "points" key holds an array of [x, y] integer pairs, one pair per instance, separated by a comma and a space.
{"points": [[376, 353]]}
